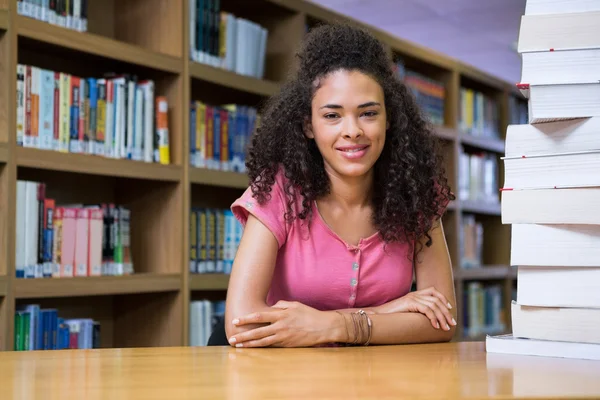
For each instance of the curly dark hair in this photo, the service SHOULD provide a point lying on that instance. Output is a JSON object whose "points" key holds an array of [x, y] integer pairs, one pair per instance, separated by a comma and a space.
{"points": [[410, 189]]}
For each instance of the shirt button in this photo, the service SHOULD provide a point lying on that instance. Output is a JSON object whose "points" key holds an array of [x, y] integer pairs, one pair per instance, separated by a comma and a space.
{"points": [[355, 266], [353, 282], [352, 296]]}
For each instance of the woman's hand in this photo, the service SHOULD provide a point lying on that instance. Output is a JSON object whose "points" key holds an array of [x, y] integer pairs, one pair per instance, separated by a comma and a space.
{"points": [[429, 302], [290, 324]]}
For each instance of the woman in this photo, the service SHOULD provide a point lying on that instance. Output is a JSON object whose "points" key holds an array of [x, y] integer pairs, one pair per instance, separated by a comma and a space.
{"points": [[346, 197]]}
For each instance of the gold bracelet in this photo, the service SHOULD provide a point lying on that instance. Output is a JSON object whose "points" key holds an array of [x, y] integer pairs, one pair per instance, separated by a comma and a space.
{"points": [[369, 326]]}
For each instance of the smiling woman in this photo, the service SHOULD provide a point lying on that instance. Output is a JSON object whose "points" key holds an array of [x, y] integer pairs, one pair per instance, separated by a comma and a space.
{"points": [[346, 198]]}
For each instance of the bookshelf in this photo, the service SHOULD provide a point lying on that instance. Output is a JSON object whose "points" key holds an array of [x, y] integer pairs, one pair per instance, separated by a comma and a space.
{"points": [[151, 39]]}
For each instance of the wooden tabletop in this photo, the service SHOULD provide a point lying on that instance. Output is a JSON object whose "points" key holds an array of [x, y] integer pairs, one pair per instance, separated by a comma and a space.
{"points": [[445, 371]]}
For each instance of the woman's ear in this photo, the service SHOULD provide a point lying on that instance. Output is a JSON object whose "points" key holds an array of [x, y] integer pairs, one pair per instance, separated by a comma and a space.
{"points": [[307, 127]]}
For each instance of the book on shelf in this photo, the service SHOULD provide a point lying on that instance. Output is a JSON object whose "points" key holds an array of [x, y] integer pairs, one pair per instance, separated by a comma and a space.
{"points": [[483, 312], [517, 111], [220, 39], [220, 135], [551, 192], [62, 241], [115, 116], [205, 315], [39, 328], [478, 114], [429, 93], [471, 242], [478, 177], [71, 14], [215, 236]]}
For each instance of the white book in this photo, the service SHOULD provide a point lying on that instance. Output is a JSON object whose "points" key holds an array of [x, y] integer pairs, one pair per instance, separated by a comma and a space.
{"points": [[46, 110], [539, 7], [192, 28], [558, 286], [559, 32], [119, 116], [555, 245], [566, 136], [109, 121], [195, 323], [22, 229], [566, 101], [507, 344], [560, 67], [148, 122], [32, 232], [554, 171], [551, 206], [567, 324], [230, 43], [130, 119], [207, 314], [138, 137]]}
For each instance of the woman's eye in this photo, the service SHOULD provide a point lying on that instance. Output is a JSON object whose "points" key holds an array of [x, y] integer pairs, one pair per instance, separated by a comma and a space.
{"points": [[330, 116], [370, 113]]}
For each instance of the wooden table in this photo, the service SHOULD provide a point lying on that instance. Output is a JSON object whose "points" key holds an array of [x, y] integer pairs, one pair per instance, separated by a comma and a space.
{"points": [[445, 371]]}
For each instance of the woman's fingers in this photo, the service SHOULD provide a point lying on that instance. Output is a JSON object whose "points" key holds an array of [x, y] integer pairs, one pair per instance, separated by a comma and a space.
{"points": [[263, 342], [448, 318], [435, 308], [256, 334], [258, 318], [436, 293], [428, 312]]}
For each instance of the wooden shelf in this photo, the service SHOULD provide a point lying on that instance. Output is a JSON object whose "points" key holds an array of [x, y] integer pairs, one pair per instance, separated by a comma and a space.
{"points": [[486, 272], [96, 286], [446, 133], [3, 285], [95, 165], [203, 176], [209, 281], [232, 80], [3, 152], [3, 19], [479, 207], [95, 44], [483, 143]]}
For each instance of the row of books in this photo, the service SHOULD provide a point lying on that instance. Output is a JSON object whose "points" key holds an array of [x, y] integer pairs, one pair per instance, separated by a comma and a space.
{"points": [[478, 177], [471, 242], [429, 93], [219, 135], [205, 315], [517, 111], [61, 241], [214, 239], [478, 114], [115, 116], [483, 309], [551, 193], [71, 14], [42, 329], [221, 39]]}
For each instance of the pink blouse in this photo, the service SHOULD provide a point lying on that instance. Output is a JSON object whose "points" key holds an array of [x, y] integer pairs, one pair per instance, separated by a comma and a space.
{"points": [[317, 268]]}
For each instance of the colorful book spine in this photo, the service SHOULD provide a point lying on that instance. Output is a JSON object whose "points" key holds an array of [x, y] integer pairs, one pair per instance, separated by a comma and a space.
{"points": [[111, 116]]}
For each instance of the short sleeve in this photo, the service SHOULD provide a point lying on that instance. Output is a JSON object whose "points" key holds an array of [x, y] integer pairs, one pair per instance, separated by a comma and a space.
{"points": [[271, 213]]}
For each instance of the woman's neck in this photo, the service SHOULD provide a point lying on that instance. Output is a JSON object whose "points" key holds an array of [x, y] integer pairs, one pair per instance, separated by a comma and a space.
{"points": [[350, 192]]}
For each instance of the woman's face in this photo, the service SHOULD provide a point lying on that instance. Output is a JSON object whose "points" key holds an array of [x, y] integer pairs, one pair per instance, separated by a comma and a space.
{"points": [[348, 122]]}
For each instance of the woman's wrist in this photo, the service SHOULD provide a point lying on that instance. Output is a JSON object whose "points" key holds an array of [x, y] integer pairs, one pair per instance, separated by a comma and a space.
{"points": [[336, 327]]}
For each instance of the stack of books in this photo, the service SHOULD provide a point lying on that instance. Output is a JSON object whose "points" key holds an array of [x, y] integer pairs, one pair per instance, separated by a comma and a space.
{"points": [[551, 194]]}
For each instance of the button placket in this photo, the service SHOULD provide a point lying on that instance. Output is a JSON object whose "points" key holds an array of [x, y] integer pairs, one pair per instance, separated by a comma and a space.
{"points": [[354, 277]]}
